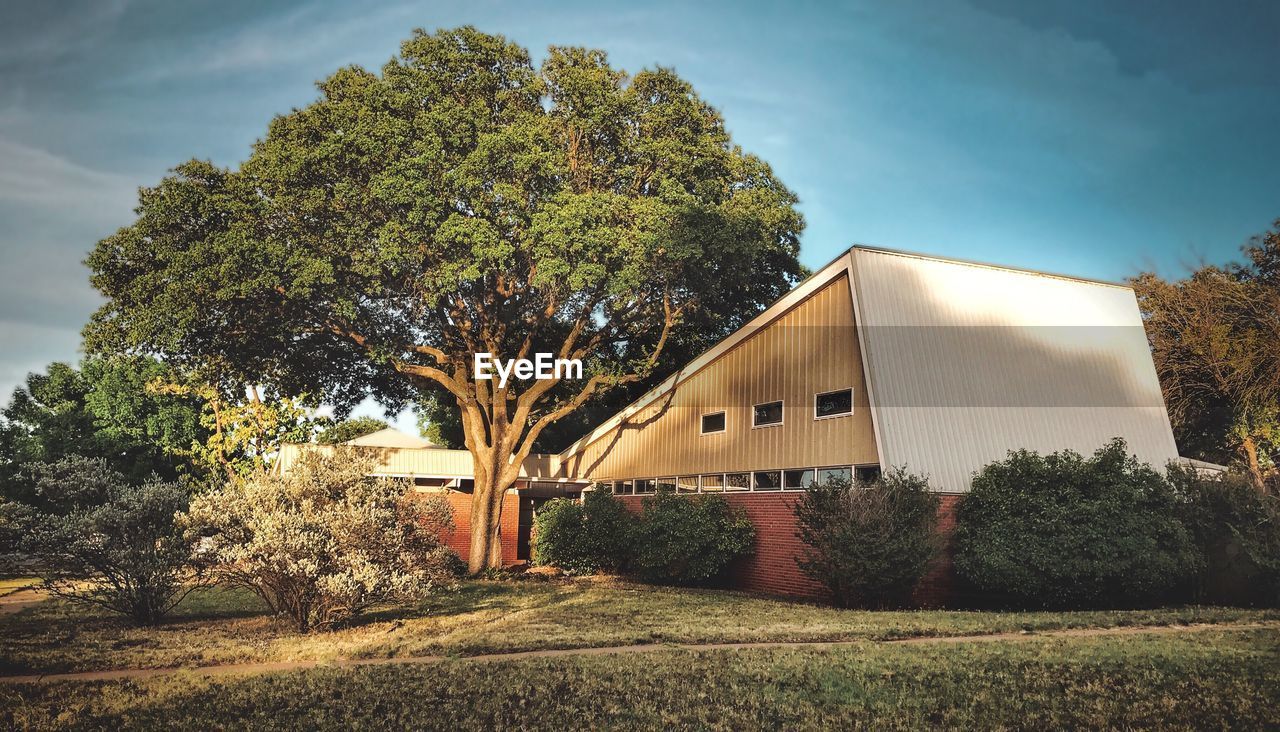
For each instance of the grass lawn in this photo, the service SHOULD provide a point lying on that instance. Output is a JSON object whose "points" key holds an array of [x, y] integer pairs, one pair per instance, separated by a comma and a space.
{"points": [[1208, 679], [219, 625]]}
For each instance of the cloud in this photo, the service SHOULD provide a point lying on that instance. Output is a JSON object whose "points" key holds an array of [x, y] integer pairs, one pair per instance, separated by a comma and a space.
{"points": [[31, 176]]}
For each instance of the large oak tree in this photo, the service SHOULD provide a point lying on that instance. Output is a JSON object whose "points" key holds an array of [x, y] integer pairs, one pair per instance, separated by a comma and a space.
{"points": [[464, 200]]}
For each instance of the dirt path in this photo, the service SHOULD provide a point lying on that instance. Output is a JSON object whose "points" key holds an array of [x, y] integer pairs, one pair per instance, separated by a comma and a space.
{"points": [[278, 666], [21, 599]]}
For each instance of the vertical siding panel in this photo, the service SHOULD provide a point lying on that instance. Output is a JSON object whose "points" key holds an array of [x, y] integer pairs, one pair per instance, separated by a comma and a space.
{"points": [[810, 348]]}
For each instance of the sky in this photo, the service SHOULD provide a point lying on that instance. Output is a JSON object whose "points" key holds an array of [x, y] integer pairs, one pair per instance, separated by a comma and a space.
{"points": [[1087, 137]]}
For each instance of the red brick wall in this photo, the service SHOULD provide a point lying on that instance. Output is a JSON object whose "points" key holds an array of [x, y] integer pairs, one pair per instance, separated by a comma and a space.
{"points": [[772, 567], [460, 538]]}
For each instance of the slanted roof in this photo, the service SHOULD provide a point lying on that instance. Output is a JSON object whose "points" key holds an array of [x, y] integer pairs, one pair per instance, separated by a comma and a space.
{"points": [[391, 437]]}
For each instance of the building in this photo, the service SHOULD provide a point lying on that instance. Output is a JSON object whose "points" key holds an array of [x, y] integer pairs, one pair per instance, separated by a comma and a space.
{"points": [[881, 358]]}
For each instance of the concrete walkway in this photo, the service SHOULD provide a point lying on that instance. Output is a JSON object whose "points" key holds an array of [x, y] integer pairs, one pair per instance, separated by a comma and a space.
{"points": [[279, 666]]}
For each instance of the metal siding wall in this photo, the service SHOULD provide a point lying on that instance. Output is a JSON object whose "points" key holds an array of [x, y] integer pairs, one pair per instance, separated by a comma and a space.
{"points": [[969, 362], [810, 349]]}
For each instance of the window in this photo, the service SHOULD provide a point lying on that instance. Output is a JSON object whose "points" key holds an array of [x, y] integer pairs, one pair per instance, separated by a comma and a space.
{"points": [[737, 482], [687, 484], [644, 485], [767, 480], [712, 483], [667, 484], [833, 404], [622, 488], [767, 414], [827, 475], [797, 480], [866, 473], [712, 423]]}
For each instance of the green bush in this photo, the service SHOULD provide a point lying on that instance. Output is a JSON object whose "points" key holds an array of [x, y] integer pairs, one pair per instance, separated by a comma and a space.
{"points": [[583, 537], [1237, 531], [689, 540], [869, 543], [1063, 531], [101, 541]]}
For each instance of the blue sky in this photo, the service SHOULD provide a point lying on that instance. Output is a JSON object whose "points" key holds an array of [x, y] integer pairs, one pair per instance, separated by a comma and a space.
{"points": [[1091, 138]]}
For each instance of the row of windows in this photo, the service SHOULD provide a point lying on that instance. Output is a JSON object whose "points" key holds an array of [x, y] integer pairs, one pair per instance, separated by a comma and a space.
{"points": [[838, 403], [760, 480]]}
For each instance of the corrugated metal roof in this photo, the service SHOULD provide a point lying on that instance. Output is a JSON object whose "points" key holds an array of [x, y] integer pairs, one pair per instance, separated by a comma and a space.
{"points": [[969, 361]]}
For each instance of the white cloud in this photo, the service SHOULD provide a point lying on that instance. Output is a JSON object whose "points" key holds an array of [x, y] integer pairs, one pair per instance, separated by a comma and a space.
{"points": [[31, 176]]}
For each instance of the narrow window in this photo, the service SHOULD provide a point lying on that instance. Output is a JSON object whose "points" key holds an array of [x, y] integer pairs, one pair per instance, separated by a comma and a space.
{"points": [[687, 484], [797, 480], [644, 485], [622, 488], [833, 404], [667, 484], [827, 476], [712, 483], [767, 414], [737, 482], [712, 423], [767, 480], [866, 473]]}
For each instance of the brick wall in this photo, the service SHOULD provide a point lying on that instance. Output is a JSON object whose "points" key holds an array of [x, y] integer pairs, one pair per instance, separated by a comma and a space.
{"points": [[772, 569], [460, 538]]}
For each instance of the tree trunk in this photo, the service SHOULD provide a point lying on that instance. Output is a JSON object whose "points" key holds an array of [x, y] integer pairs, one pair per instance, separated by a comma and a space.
{"points": [[486, 518], [1250, 450]]}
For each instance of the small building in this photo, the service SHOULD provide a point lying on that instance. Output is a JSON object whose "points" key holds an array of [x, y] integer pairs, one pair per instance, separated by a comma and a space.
{"points": [[881, 358]]}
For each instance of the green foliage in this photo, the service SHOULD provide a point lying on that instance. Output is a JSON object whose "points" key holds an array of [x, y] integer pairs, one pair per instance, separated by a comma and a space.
{"points": [[1237, 531], [689, 540], [104, 410], [1060, 530], [245, 433], [99, 540], [323, 542], [349, 429], [463, 195], [592, 535], [869, 543]]}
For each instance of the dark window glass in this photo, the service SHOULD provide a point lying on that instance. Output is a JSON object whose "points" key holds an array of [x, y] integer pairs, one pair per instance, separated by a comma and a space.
{"points": [[644, 485], [866, 473], [797, 480], [737, 482], [827, 476], [712, 423], [667, 484], [766, 414], [768, 480], [834, 403]]}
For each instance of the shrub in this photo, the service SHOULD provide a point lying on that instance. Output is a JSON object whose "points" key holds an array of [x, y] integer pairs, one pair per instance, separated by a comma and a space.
{"points": [[324, 542], [588, 536], [869, 543], [1237, 532], [100, 541], [689, 540], [1063, 531]]}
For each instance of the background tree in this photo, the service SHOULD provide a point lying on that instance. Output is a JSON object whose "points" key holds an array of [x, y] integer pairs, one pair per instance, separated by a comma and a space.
{"points": [[104, 410], [1215, 339], [349, 429], [460, 201], [244, 434]]}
